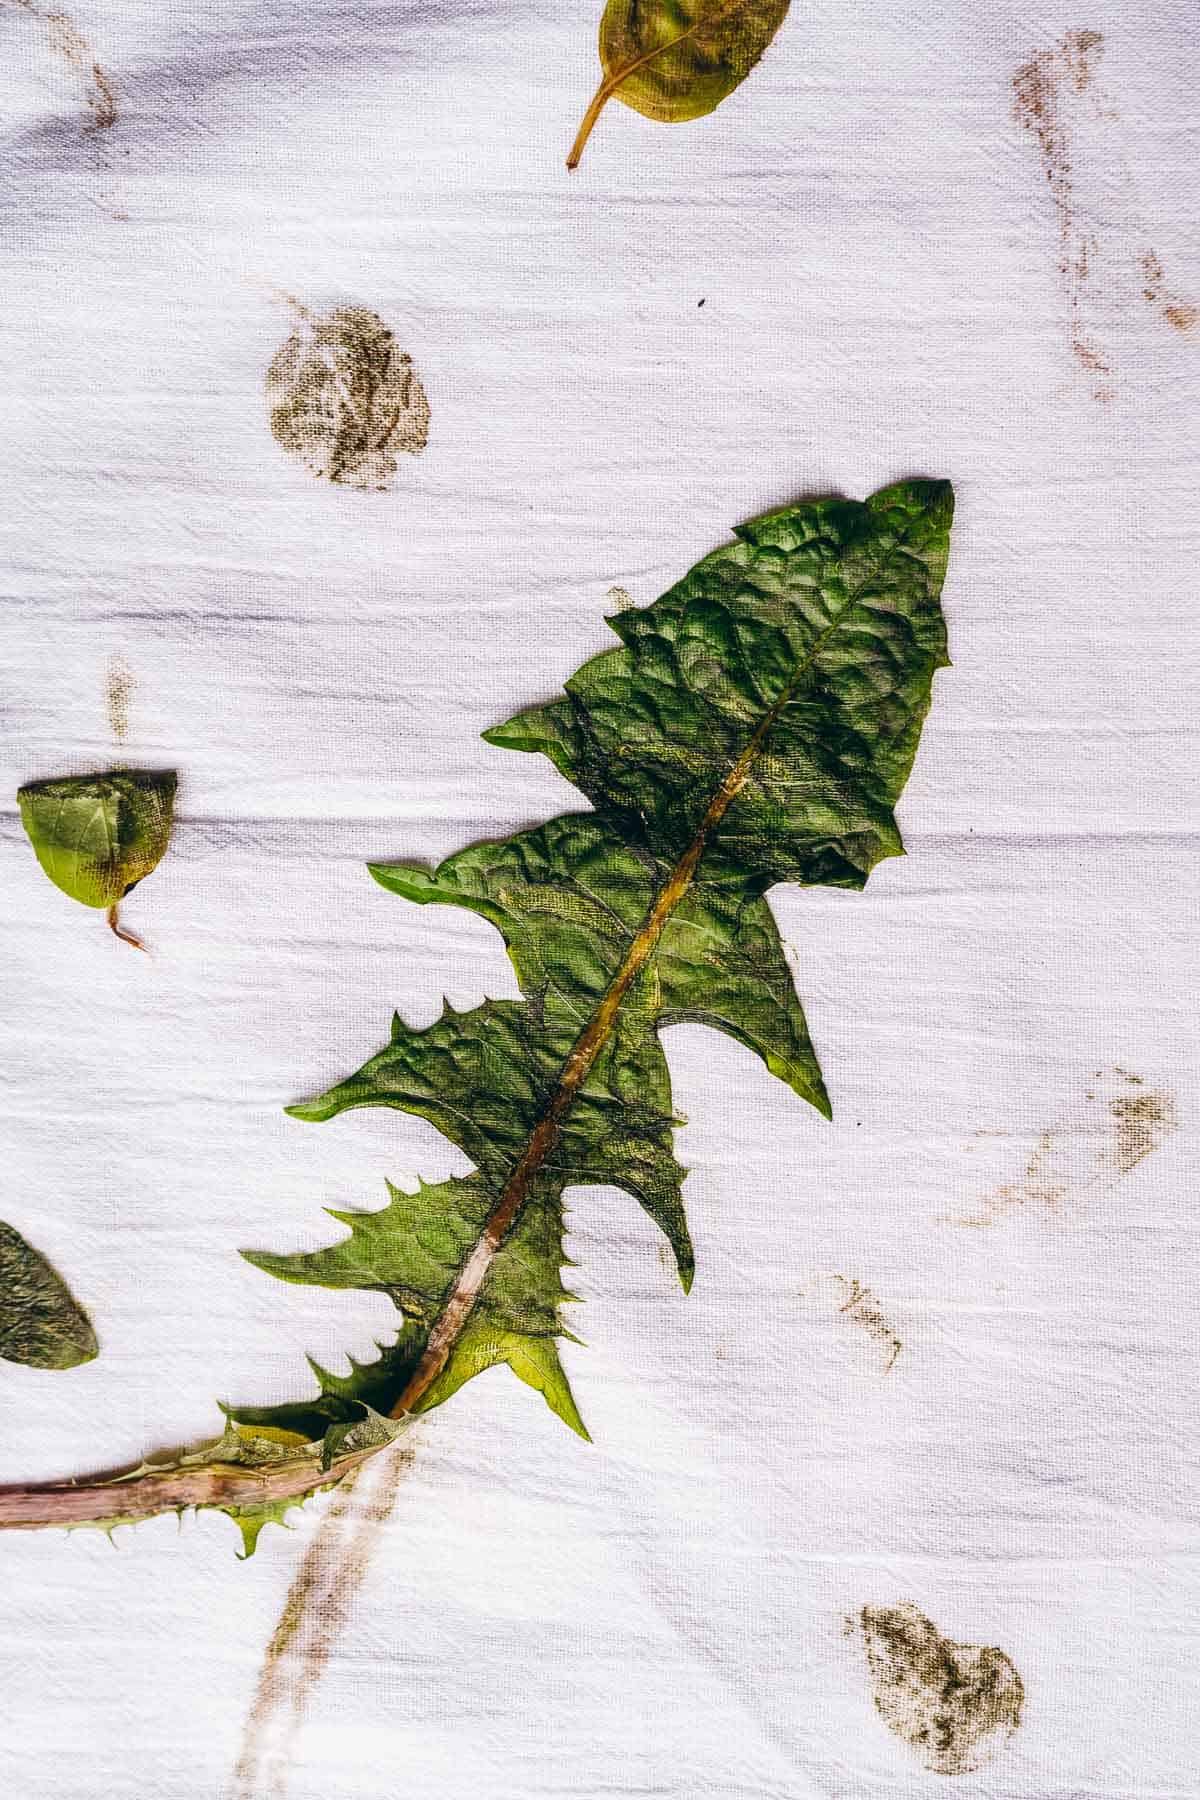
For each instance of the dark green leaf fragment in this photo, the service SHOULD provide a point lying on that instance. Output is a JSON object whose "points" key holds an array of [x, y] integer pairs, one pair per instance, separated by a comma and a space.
{"points": [[97, 836], [41, 1322], [827, 615]]}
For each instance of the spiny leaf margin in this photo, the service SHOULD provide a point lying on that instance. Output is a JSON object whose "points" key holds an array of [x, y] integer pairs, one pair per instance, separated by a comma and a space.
{"points": [[756, 633]]}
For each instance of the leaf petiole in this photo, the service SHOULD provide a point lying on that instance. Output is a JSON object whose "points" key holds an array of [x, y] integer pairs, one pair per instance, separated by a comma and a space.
{"points": [[609, 86], [117, 930]]}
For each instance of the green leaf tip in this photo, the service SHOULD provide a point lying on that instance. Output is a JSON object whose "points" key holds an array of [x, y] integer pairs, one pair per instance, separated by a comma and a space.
{"points": [[313, 1112], [97, 836]]}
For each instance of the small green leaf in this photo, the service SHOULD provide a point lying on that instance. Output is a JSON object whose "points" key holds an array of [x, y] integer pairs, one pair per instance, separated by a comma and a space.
{"points": [[41, 1322], [677, 59], [97, 836]]}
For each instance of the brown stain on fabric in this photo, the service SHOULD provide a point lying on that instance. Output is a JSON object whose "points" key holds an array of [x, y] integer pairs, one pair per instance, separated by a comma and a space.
{"points": [[954, 1704], [863, 1308], [842, 1298], [1045, 90], [1055, 98], [344, 399], [69, 43], [1119, 1121], [318, 1604], [119, 683], [1180, 314], [1142, 1118], [98, 90]]}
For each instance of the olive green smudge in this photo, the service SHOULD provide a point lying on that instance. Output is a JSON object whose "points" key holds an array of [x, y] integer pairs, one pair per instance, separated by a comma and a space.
{"points": [[954, 1704], [41, 1322], [119, 683], [344, 398]]}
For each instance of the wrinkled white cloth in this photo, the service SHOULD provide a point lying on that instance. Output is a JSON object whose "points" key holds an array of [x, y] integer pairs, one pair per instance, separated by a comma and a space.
{"points": [[858, 269]]}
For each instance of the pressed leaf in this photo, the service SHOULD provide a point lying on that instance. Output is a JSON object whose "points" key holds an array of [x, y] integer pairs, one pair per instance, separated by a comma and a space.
{"points": [[97, 836], [677, 59], [756, 724], [41, 1322], [803, 651]]}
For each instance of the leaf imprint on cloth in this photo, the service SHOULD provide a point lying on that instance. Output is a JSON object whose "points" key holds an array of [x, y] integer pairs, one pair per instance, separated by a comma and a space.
{"points": [[99, 94], [1180, 314], [954, 1704], [1120, 1120], [96, 89], [344, 399]]}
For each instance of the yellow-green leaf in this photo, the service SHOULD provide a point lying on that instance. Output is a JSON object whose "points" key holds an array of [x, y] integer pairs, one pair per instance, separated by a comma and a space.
{"points": [[677, 59], [97, 836]]}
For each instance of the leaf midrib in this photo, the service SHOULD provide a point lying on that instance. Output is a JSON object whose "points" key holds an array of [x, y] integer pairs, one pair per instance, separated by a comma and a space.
{"points": [[592, 1040]]}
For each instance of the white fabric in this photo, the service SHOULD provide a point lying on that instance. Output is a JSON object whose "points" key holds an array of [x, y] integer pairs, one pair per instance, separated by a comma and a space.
{"points": [[876, 246]]}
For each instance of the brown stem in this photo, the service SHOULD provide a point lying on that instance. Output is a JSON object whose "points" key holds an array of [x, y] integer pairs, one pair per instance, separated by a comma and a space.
{"points": [[142, 1496], [608, 88], [126, 937]]}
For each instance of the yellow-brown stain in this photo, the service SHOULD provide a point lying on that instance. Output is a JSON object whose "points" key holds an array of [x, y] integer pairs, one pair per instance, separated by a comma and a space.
{"points": [[69, 43], [1119, 1121], [861, 1306], [318, 1604], [119, 683], [954, 1704], [844, 1297], [1142, 1117], [1045, 89], [1180, 314]]}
